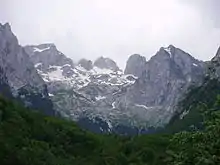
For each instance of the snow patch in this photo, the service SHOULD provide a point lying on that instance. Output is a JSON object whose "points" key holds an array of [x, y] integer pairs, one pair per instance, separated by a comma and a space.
{"points": [[100, 97], [184, 114], [80, 68], [81, 77], [37, 65], [168, 50], [109, 124], [40, 50], [130, 75], [195, 64], [142, 106], [56, 75], [50, 94], [67, 65], [101, 71], [113, 105]]}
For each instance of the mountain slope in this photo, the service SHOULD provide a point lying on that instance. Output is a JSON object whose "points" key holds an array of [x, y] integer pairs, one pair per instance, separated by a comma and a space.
{"points": [[22, 77], [4, 87], [189, 115], [167, 76], [136, 65]]}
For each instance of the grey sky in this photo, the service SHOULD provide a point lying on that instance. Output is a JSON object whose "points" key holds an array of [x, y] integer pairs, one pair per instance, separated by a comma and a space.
{"points": [[116, 28]]}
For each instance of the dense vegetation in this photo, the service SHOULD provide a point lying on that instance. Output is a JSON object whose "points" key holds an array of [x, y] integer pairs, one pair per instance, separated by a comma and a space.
{"points": [[28, 137], [198, 147]]}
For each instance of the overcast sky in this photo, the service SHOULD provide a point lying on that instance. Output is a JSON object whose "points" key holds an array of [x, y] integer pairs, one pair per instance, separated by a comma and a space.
{"points": [[116, 28]]}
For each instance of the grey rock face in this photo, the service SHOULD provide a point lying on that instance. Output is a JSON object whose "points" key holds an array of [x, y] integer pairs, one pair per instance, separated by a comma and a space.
{"points": [[87, 64], [4, 87], [21, 73], [136, 65], [168, 74], [213, 68], [51, 64], [15, 62], [217, 56], [106, 63], [47, 55]]}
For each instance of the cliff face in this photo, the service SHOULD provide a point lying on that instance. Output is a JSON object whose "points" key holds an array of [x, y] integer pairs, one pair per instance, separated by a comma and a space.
{"points": [[20, 71]]}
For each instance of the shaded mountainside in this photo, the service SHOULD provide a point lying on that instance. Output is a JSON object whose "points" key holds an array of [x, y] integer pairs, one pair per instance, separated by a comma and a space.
{"points": [[157, 91], [27, 137], [20, 75], [200, 146], [4, 87], [188, 115]]}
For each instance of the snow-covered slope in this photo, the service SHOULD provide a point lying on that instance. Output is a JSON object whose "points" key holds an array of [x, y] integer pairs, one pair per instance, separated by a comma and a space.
{"points": [[55, 68]]}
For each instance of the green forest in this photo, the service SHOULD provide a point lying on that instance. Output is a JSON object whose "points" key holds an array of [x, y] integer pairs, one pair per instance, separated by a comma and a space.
{"points": [[30, 138]]}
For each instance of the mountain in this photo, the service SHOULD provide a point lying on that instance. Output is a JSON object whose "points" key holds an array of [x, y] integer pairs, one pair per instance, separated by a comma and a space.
{"points": [[167, 76], [214, 65], [86, 64], [106, 63], [50, 56], [22, 77], [136, 65], [101, 98], [59, 72], [4, 87], [189, 115]]}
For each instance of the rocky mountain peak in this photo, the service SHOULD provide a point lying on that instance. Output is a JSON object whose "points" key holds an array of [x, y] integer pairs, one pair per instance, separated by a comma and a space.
{"points": [[176, 62], [7, 36], [87, 64], [167, 51], [217, 56], [218, 52], [47, 55], [45, 47], [136, 64], [106, 63], [214, 65], [23, 80], [16, 63], [5, 26], [166, 76]]}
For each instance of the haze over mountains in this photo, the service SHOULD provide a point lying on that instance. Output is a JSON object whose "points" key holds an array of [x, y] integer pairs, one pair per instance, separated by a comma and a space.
{"points": [[98, 95]]}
